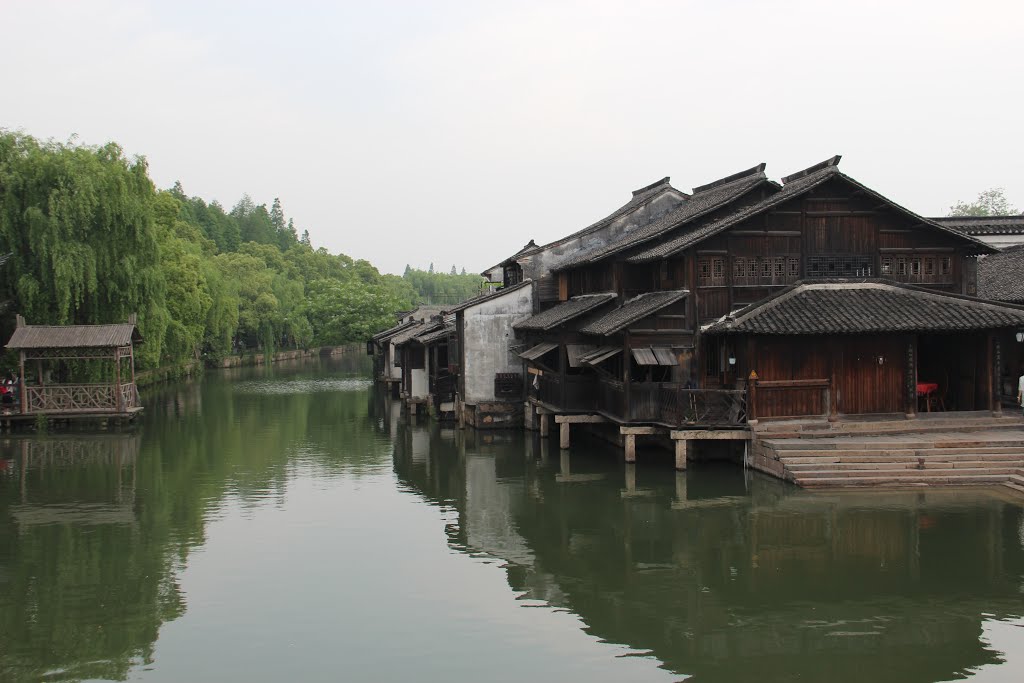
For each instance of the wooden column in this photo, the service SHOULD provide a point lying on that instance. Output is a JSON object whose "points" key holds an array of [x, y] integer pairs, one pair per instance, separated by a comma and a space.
{"points": [[910, 381], [752, 398], [835, 366], [627, 361], [995, 373], [118, 396], [22, 389]]}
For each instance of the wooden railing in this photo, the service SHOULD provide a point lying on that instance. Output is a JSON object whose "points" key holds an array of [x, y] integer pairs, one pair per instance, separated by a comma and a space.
{"points": [[705, 407], [575, 393], [674, 404], [791, 398], [72, 398]]}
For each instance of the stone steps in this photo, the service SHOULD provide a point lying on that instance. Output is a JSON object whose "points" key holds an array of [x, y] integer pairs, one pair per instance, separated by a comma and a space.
{"points": [[906, 465], [896, 427], [906, 473], [885, 481], [846, 444]]}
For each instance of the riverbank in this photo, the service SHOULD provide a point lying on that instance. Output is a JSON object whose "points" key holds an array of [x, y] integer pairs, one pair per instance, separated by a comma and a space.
{"points": [[194, 368]]}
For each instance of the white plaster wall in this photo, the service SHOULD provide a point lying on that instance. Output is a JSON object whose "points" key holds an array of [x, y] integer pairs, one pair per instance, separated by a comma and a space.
{"points": [[393, 372], [487, 337], [1002, 241], [419, 383]]}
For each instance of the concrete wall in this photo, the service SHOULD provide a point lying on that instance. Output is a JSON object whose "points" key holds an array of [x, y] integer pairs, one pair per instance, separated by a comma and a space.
{"points": [[486, 340]]}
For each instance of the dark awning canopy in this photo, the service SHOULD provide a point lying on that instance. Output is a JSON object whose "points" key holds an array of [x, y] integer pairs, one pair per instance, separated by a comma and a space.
{"points": [[600, 355], [654, 356], [537, 351]]}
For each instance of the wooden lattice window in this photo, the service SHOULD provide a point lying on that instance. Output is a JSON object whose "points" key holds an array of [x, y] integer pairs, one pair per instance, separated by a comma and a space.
{"points": [[711, 272], [853, 266], [924, 268]]}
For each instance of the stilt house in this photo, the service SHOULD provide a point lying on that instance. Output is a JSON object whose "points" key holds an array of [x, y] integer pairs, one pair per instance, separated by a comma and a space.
{"points": [[818, 294]]}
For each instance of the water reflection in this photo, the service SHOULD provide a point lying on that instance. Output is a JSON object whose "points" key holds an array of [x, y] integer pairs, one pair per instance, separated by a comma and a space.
{"points": [[728, 576], [95, 529]]}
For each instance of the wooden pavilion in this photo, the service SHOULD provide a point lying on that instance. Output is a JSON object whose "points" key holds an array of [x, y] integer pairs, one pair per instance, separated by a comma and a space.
{"points": [[55, 348]]}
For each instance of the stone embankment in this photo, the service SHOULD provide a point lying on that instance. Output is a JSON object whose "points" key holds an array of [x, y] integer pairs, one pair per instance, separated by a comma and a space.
{"points": [[941, 451]]}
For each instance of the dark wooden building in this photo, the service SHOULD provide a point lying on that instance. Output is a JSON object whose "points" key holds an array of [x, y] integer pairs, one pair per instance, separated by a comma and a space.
{"points": [[660, 326]]}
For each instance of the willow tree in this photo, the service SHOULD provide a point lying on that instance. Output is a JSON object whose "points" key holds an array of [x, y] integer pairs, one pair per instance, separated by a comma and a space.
{"points": [[78, 223]]}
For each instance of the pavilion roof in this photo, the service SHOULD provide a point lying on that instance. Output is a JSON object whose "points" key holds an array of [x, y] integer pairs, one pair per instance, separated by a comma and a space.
{"points": [[74, 336]]}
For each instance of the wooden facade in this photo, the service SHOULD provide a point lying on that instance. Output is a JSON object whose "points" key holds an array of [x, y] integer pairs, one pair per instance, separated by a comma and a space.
{"points": [[818, 226]]}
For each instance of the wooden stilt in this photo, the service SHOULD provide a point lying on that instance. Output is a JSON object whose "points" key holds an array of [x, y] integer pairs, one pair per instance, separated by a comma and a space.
{"points": [[630, 447], [563, 436]]}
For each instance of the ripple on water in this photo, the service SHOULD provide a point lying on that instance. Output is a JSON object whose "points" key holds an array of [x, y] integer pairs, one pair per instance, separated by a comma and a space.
{"points": [[301, 386]]}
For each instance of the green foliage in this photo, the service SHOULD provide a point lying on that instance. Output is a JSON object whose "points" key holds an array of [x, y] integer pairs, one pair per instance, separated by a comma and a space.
{"points": [[442, 288], [992, 202], [92, 241]]}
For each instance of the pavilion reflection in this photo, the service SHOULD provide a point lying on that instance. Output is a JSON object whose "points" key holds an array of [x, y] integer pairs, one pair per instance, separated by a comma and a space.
{"points": [[730, 576]]}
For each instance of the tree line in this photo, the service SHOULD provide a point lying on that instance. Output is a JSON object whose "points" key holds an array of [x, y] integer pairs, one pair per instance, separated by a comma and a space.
{"points": [[91, 240]]}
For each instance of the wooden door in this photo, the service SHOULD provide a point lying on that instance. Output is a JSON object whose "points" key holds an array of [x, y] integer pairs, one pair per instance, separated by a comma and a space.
{"points": [[871, 380]]}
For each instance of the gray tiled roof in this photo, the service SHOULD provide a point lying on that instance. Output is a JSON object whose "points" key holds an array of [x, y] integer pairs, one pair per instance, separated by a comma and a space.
{"points": [[408, 333], [705, 199], [639, 198], [391, 331], [984, 225], [794, 185], [633, 310], [868, 306], [1001, 276], [437, 333], [565, 311], [73, 336], [490, 295]]}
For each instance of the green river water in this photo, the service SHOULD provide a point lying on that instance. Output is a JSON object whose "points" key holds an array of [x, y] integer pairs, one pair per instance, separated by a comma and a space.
{"points": [[286, 524]]}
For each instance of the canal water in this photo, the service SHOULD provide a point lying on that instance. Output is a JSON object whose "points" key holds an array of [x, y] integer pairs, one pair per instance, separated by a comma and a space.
{"points": [[286, 523]]}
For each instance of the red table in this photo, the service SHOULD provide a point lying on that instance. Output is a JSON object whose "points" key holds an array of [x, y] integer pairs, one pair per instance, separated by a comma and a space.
{"points": [[926, 389]]}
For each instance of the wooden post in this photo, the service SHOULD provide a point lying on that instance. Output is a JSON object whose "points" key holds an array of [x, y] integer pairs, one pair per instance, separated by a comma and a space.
{"points": [[911, 379], [563, 436], [23, 388], [118, 396], [630, 447], [835, 363], [997, 364], [680, 454], [545, 424], [752, 398]]}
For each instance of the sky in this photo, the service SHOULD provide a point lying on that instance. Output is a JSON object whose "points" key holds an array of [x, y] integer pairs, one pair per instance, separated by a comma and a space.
{"points": [[453, 133]]}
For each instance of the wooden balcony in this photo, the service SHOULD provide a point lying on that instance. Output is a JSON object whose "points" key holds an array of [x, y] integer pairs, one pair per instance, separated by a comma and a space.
{"points": [[666, 403]]}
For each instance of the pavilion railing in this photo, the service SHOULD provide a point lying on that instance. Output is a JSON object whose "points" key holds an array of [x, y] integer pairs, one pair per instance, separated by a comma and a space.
{"points": [[70, 398]]}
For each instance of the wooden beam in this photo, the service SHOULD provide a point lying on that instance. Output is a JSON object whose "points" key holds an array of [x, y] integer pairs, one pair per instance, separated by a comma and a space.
{"points": [[580, 419], [710, 435], [643, 431]]}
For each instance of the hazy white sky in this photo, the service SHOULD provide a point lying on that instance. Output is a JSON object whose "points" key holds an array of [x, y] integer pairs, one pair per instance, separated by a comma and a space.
{"points": [[454, 132]]}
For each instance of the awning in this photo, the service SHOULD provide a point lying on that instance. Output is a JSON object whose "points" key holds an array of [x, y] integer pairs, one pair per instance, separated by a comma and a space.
{"points": [[538, 350], [600, 355], [576, 352], [665, 356], [654, 356]]}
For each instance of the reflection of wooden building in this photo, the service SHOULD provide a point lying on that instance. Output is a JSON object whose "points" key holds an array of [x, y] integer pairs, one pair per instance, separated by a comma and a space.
{"points": [[49, 354]]}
